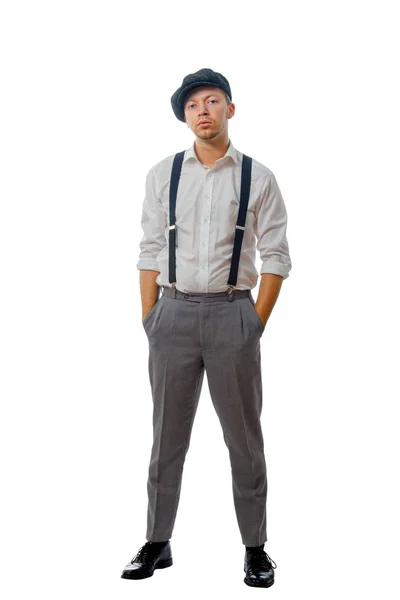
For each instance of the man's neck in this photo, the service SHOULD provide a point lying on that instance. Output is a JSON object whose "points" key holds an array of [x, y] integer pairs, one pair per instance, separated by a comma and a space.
{"points": [[208, 152]]}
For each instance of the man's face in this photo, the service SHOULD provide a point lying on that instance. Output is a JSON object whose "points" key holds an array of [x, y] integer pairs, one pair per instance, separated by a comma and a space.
{"points": [[207, 104]]}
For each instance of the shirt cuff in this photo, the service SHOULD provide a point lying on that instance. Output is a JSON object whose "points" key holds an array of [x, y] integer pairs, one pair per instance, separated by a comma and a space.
{"points": [[147, 264], [276, 268]]}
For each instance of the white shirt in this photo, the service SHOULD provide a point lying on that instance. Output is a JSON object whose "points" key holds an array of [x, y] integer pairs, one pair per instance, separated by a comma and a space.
{"points": [[207, 207]]}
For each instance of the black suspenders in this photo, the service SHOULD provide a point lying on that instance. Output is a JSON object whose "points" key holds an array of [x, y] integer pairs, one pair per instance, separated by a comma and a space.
{"points": [[240, 225], [241, 220], [173, 189]]}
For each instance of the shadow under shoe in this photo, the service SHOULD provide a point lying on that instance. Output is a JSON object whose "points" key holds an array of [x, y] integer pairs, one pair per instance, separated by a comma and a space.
{"points": [[150, 557], [259, 568]]}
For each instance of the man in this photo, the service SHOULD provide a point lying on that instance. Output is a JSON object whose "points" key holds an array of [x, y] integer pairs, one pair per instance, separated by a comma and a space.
{"points": [[205, 208]]}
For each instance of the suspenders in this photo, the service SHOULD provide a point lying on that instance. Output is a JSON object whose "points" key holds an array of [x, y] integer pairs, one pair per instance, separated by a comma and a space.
{"points": [[240, 225], [173, 189]]}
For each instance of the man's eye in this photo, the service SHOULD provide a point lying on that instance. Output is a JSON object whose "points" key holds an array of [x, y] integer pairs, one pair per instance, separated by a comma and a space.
{"points": [[210, 101]]}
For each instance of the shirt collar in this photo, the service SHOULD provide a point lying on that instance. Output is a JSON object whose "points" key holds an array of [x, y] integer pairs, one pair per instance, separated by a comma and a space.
{"points": [[231, 151]]}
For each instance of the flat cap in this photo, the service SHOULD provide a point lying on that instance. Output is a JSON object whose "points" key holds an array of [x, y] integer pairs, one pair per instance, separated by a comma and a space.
{"points": [[193, 80]]}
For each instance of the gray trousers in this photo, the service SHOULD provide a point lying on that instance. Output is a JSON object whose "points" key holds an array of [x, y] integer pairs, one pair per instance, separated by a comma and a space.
{"points": [[186, 335]]}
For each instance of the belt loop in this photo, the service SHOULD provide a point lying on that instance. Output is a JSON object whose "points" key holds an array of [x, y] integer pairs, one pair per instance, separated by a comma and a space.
{"points": [[230, 292], [173, 285]]}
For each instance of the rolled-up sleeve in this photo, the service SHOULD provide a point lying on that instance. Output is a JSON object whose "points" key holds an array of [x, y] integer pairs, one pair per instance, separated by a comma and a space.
{"points": [[270, 230], [153, 224]]}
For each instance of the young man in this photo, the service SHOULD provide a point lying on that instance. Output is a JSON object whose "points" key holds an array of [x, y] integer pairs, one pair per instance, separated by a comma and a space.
{"points": [[205, 212]]}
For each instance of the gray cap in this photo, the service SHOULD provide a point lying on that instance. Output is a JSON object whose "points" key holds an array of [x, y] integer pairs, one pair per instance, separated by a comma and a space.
{"points": [[193, 80]]}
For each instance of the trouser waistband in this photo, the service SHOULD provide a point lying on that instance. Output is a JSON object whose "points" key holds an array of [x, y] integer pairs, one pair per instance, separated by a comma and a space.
{"points": [[201, 297]]}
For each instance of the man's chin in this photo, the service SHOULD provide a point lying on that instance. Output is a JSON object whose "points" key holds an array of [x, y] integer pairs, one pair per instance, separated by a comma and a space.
{"points": [[207, 135]]}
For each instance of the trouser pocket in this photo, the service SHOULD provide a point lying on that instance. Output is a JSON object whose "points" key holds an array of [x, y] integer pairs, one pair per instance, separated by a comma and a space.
{"points": [[255, 313]]}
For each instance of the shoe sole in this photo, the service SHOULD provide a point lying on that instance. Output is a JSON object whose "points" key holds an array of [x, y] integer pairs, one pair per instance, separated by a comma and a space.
{"points": [[162, 564], [252, 584]]}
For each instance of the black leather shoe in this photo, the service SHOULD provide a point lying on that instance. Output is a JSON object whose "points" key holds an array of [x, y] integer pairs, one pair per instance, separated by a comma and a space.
{"points": [[258, 568], [150, 556]]}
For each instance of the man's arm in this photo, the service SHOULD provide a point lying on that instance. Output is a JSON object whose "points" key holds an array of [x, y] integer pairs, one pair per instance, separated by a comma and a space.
{"points": [[149, 290], [153, 241], [268, 293], [270, 230]]}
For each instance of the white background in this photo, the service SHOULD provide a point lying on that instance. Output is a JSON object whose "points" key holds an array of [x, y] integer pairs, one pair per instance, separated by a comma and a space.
{"points": [[85, 113]]}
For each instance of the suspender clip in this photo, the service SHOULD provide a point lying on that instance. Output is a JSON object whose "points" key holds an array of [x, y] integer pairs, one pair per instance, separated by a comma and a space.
{"points": [[230, 290]]}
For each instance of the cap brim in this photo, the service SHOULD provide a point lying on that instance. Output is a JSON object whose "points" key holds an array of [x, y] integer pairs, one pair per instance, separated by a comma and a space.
{"points": [[183, 93]]}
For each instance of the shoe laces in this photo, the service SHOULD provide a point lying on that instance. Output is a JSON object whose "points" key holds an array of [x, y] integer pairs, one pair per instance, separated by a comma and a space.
{"points": [[142, 553], [261, 559]]}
